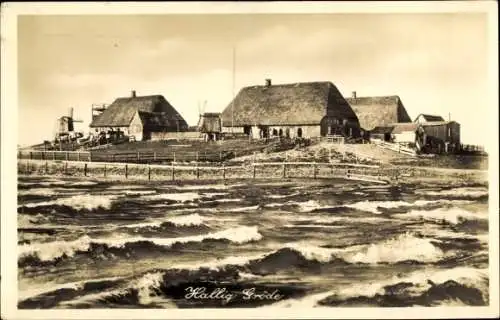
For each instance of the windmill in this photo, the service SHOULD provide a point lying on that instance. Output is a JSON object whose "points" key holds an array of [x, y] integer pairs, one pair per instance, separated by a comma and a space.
{"points": [[201, 112], [65, 127]]}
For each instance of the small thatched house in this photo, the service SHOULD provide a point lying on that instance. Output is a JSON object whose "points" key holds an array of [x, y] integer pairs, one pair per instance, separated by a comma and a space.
{"points": [[310, 109], [423, 118], [144, 117], [378, 111], [210, 125]]}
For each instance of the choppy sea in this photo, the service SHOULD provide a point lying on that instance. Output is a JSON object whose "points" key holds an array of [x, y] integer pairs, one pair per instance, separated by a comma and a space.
{"points": [[318, 243]]}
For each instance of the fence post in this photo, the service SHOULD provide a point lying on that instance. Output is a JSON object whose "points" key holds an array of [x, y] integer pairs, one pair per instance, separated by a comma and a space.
{"points": [[174, 158], [67, 155], [78, 156], [223, 172], [284, 169], [154, 156], [254, 166], [149, 172], [126, 171], [197, 171], [138, 157], [173, 169], [197, 156], [104, 170], [46, 167], [85, 169], [314, 170], [31, 155], [53, 155], [220, 156]]}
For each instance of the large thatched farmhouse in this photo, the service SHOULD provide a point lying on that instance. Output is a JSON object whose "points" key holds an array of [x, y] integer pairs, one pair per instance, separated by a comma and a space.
{"points": [[378, 111], [140, 117], [309, 109]]}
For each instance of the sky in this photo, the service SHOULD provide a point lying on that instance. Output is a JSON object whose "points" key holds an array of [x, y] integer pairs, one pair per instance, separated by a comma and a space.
{"points": [[436, 63]]}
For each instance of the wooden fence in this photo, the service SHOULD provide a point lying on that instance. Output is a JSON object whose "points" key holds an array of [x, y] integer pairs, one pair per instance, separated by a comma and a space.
{"points": [[266, 170], [129, 157], [396, 147]]}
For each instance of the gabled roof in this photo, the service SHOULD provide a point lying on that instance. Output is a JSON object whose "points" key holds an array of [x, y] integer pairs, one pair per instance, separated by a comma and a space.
{"points": [[378, 111], [122, 111], [404, 127], [286, 104], [430, 117]]}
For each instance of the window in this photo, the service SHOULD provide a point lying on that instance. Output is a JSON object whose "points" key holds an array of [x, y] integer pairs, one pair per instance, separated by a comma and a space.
{"points": [[299, 132]]}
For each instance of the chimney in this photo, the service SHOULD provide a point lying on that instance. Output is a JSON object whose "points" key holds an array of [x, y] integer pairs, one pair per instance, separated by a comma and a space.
{"points": [[353, 95], [268, 82], [133, 94]]}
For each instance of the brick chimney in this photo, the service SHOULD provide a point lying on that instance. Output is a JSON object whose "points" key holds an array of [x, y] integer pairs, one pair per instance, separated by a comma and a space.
{"points": [[133, 94], [353, 95], [268, 82]]}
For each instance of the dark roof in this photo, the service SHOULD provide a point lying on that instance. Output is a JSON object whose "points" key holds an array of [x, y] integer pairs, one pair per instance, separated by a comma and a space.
{"points": [[404, 127], [430, 117], [437, 123], [382, 129], [160, 121], [378, 111], [287, 104], [122, 110], [210, 122]]}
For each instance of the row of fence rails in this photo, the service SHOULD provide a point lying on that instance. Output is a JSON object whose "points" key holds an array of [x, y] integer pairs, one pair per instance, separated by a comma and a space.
{"points": [[396, 147], [162, 156], [55, 155]]}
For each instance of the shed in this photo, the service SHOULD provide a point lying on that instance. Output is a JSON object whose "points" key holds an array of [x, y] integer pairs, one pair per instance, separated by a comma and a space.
{"points": [[210, 125], [378, 111], [423, 118]]}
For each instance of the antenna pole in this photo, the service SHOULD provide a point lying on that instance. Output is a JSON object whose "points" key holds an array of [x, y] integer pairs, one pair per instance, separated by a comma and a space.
{"points": [[232, 104], [449, 116]]}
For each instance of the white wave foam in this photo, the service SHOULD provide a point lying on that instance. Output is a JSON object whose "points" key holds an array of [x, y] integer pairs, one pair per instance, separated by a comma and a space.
{"points": [[471, 277], [237, 235], [214, 194], [51, 250], [228, 200], [78, 202], [309, 205], [145, 284], [179, 197], [93, 297], [372, 206], [281, 196], [475, 192], [453, 215], [242, 209], [401, 248]]}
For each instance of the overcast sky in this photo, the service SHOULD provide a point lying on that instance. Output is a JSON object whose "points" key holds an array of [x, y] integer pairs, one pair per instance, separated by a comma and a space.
{"points": [[436, 63]]}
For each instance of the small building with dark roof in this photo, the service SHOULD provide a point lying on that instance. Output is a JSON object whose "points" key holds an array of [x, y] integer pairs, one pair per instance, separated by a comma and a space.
{"points": [[378, 111], [423, 118], [307, 109], [143, 117], [210, 125]]}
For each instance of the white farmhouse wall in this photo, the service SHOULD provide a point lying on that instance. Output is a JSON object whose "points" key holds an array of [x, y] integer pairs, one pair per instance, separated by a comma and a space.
{"points": [[136, 127]]}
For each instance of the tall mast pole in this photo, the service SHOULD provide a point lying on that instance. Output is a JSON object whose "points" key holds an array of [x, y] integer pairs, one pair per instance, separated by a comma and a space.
{"points": [[234, 75]]}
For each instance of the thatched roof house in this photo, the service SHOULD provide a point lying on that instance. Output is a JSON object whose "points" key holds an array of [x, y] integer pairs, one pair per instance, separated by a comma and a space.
{"points": [[378, 111], [210, 123], [141, 116], [421, 118], [299, 108]]}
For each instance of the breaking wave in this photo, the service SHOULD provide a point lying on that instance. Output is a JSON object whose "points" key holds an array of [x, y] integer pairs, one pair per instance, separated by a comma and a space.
{"points": [[177, 197], [451, 215], [77, 202], [58, 249], [373, 206], [476, 192]]}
